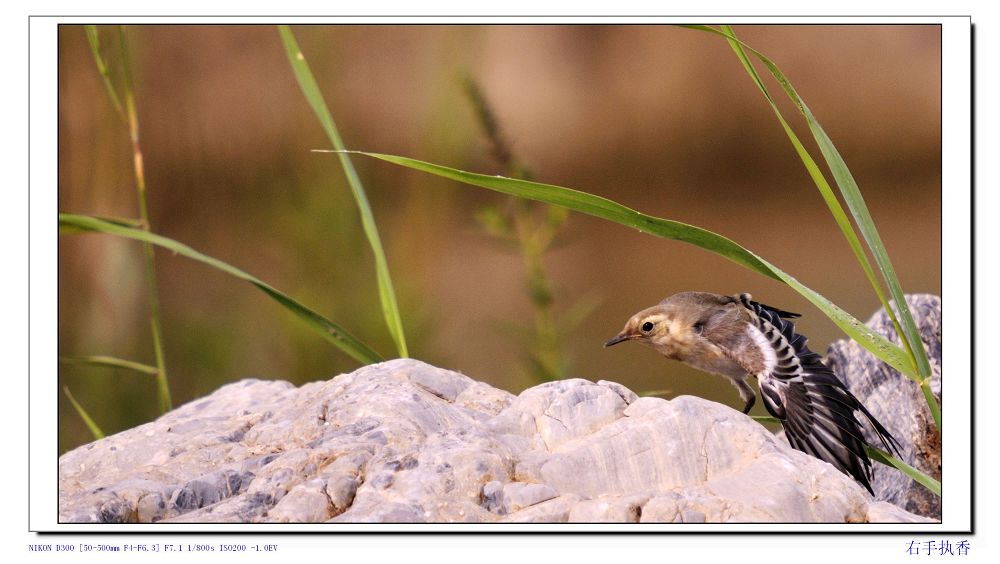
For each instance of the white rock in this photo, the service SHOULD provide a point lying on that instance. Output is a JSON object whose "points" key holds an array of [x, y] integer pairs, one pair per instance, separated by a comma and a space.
{"points": [[403, 441], [305, 503], [606, 509], [518, 495]]}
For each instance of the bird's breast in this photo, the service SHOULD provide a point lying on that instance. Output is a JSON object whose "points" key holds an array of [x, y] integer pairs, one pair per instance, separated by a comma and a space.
{"points": [[710, 358]]}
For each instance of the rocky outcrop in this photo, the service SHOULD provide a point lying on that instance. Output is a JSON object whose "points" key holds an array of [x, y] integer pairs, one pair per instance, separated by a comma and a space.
{"points": [[403, 441]]}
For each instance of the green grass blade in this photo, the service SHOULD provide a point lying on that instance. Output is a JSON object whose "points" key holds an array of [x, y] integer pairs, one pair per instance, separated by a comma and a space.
{"points": [[328, 329], [925, 387], [909, 334], [817, 176], [94, 429], [310, 89], [612, 211], [917, 476], [93, 37], [65, 229], [839, 215], [111, 362], [855, 202]]}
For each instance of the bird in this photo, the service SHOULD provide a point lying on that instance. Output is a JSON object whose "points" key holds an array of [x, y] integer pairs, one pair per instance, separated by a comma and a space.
{"points": [[738, 338]]}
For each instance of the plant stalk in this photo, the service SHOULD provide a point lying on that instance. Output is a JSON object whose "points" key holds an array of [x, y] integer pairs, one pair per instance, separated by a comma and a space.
{"points": [[163, 387]]}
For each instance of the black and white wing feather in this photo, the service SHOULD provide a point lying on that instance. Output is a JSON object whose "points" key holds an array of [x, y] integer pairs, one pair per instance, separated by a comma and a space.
{"points": [[815, 408]]}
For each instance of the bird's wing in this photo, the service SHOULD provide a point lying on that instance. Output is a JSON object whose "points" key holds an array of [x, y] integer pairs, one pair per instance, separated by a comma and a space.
{"points": [[815, 408]]}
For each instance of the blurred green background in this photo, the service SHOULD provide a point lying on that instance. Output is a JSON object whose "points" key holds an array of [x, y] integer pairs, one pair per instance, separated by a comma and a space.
{"points": [[659, 118]]}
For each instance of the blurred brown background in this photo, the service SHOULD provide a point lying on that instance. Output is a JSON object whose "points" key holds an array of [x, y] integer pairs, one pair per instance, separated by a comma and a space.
{"points": [[659, 118]]}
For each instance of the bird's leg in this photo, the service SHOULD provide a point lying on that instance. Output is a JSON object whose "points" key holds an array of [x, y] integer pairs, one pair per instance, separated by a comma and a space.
{"points": [[746, 394]]}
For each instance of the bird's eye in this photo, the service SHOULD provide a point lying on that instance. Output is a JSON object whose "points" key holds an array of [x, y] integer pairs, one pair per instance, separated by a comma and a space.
{"points": [[698, 327], [647, 327]]}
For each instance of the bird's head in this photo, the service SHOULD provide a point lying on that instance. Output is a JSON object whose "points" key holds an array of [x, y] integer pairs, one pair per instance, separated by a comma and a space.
{"points": [[673, 326]]}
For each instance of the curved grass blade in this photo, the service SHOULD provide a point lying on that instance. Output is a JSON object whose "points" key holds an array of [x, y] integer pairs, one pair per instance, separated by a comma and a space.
{"points": [[917, 476], [908, 332], [93, 37], [848, 189], [328, 329], [111, 362], [387, 295], [818, 178], [94, 429], [66, 229], [668, 229]]}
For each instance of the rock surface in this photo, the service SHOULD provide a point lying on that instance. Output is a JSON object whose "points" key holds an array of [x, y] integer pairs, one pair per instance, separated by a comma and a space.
{"points": [[898, 403], [403, 441]]}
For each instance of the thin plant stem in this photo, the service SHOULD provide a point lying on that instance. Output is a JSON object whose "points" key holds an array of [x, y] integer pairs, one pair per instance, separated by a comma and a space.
{"points": [[547, 349], [163, 387], [87, 419], [95, 46], [533, 237]]}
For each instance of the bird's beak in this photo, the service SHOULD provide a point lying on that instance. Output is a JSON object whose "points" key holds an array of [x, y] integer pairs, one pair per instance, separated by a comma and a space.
{"points": [[618, 338]]}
